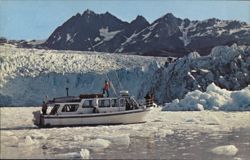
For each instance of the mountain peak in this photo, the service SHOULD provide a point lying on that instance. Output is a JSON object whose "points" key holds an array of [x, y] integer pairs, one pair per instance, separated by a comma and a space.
{"points": [[88, 12], [107, 13], [139, 19], [168, 16]]}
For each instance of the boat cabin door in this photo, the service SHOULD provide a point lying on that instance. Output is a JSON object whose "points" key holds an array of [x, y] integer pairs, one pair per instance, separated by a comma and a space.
{"points": [[125, 104], [122, 102]]}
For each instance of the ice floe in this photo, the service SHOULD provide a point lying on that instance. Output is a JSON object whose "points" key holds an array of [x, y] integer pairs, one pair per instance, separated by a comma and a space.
{"points": [[97, 144], [214, 98], [84, 153], [228, 150]]}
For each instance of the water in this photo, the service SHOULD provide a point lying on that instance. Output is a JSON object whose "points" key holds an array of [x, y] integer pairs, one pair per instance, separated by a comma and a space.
{"points": [[181, 145], [147, 140]]}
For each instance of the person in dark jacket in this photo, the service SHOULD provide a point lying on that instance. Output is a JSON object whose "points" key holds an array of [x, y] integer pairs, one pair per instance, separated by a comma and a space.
{"points": [[44, 108]]}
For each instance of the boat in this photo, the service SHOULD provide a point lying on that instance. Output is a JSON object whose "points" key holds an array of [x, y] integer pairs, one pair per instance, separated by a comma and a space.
{"points": [[92, 109]]}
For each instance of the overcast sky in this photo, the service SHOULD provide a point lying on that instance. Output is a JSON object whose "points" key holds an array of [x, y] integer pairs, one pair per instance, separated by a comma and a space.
{"points": [[37, 19]]}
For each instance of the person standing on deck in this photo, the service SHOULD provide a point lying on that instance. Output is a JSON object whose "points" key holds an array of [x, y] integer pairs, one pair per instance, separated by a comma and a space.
{"points": [[106, 88], [45, 106]]}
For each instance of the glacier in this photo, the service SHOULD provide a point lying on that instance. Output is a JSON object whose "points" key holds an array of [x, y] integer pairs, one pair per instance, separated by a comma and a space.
{"points": [[28, 75]]}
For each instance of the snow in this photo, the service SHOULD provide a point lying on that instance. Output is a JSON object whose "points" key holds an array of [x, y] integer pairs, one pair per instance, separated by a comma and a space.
{"points": [[145, 36], [68, 37], [221, 23], [157, 35], [227, 150], [120, 50], [129, 39], [104, 32], [59, 37], [151, 27], [97, 39], [214, 98], [204, 70], [186, 40], [232, 31], [220, 32]]}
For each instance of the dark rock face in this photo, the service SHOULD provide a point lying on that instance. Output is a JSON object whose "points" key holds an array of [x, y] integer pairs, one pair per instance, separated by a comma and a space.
{"points": [[166, 36], [80, 31]]}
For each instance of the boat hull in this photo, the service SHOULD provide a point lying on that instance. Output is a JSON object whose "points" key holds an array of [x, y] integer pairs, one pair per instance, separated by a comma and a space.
{"points": [[124, 117]]}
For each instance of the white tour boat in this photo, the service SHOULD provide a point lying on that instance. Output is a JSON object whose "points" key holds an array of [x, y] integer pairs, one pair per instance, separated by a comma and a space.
{"points": [[92, 109]]}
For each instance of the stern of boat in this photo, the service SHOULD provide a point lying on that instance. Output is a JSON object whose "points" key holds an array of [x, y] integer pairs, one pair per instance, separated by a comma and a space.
{"points": [[37, 118]]}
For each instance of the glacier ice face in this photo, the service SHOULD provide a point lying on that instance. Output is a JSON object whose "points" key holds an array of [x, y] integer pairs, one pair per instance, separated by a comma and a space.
{"points": [[227, 67], [28, 75]]}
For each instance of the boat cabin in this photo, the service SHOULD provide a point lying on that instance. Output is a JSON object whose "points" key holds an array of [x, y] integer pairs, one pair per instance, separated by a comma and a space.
{"points": [[87, 104]]}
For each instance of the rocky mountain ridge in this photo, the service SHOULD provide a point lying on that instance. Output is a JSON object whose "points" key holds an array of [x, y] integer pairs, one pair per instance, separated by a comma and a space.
{"points": [[166, 36]]}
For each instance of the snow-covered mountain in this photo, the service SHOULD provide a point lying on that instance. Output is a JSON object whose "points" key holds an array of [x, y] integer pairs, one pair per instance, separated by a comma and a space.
{"points": [[27, 75], [166, 36]]}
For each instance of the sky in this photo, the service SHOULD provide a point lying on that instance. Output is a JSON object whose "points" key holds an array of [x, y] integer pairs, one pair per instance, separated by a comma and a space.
{"points": [[37, 19]]}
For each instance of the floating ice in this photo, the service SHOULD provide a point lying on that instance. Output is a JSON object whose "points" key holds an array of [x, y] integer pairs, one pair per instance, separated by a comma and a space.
{"points": [[228, 150], [84, 153], [7, 133], [214, 98], [39, 135], [212, 120], [97, 144], [164, 132], [119, 139], [70, 155], [28, 141]]}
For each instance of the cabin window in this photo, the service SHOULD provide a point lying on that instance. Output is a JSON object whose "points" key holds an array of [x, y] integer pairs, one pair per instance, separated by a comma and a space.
{"points": [[104, 103], [70, 107], [114, 103], [87, 104]]}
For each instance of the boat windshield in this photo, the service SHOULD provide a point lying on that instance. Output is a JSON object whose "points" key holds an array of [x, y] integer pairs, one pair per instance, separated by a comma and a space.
{"points": [[54, 109], [134, 103], [131, 103]]}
